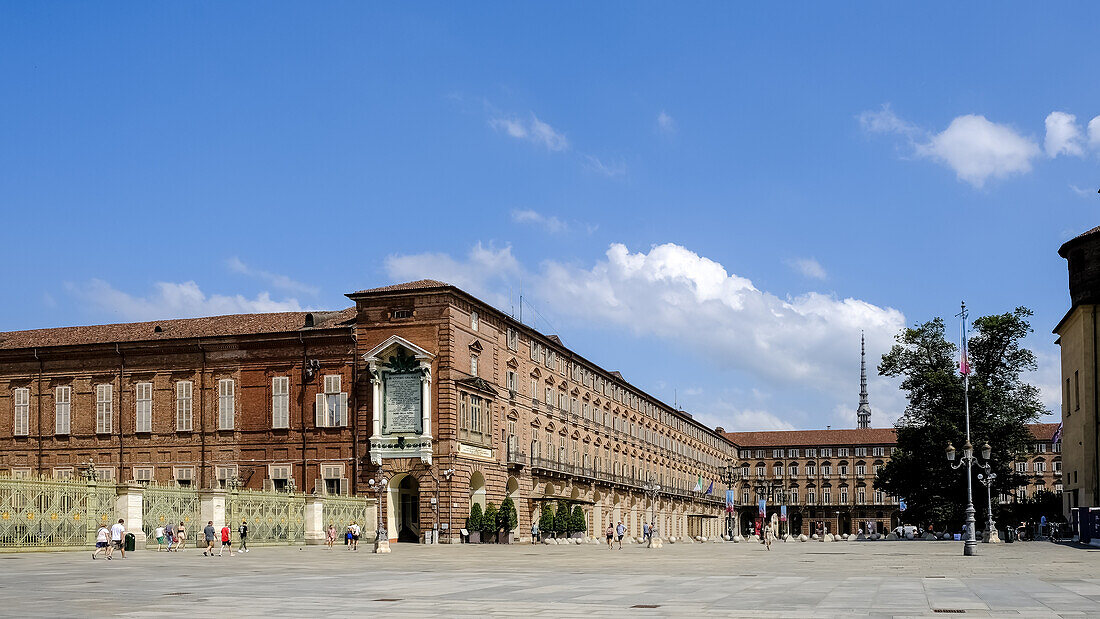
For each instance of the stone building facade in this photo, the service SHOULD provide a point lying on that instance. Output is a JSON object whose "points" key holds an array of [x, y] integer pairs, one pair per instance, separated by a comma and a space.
{"points": [[1078, 341], [420, 385], [827, 476]]}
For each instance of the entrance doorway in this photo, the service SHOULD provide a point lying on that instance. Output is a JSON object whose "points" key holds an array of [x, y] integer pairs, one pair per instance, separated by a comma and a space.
{"points": [[408, 510]]}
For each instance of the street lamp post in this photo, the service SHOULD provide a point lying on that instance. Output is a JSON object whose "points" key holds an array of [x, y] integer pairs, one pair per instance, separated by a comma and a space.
{"points": [[969, 460], [651, 490], [382, 542], [970, 545], [987, 480], [731, 473]]}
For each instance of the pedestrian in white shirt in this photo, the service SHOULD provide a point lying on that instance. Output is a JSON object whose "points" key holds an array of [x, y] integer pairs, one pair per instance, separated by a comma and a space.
{"points": [[102, 541], [118, 531]]}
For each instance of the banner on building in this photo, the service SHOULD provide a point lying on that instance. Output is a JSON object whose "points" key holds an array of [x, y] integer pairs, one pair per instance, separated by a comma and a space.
{"points": [[782, 513], [763, 507], [729, 501]]}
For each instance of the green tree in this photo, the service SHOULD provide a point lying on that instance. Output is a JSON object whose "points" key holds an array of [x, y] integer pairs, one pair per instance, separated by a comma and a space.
{"points": [[561, 518], [508, 517], [579, 524], [473, 523], [546, 519], [1001, 406], [489, 522]]}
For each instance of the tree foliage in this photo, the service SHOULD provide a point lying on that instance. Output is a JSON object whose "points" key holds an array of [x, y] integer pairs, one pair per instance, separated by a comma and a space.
{"points": [[1001, 406], [578, 524], [562, 518], [489, 521], [473, 523], [546, 519], [507, 517]]}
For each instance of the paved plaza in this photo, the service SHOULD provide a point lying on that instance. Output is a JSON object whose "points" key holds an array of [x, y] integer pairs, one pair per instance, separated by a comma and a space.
{"points": [[812, 579]]}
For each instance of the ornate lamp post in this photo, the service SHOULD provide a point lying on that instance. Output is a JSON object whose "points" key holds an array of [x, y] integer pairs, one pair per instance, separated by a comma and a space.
{"points": [[987, 480], [651, 490], [970, 545], [382, 542], [969, 460], [732, 475]]}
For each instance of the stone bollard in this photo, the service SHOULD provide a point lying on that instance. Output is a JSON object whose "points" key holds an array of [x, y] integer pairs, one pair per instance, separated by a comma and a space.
{"points": [[802, 537]]}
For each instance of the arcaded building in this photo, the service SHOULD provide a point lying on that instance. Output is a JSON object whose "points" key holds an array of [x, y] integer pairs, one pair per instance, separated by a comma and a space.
{"points": [[446, 399]]}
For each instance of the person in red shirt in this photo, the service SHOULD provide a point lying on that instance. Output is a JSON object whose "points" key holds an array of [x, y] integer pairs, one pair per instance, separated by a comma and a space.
{"points": [[226, 542]]}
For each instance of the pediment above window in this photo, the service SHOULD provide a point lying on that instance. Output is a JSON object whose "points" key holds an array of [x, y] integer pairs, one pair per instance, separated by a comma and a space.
{"points": [[512, 363], [476, 347], [478, 384]]}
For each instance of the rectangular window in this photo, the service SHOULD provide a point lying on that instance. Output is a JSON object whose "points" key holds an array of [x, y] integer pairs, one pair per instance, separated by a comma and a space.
{"points": [[844, 496], [877, 451], [22, 406], [473, 365], [103, 409], [861, 495], [475, 414], [861, 469], [826, 452], [513, 339], [826, 495], [811, 496], [333, 477], [1021, 467], [279, 477], [1065, 400], [811, 453], [63, 472], [184, 476], [744, 497], [878, 497], [332, 405], [792, 453], [842, 452], [777, 453], [794, 496], [280, 402], [1076, 392], [1040, 467], [143, 407], [861, 452], [62, 404], [143, 474], [511, 382], [183, 406], [474, 321], [226, 404], [225, 473]]}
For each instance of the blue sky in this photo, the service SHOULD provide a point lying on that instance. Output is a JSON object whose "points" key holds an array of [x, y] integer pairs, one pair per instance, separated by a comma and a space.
{"points": [[712, 199]]}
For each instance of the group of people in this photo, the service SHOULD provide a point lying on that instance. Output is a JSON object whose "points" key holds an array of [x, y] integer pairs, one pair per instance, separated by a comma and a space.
{"points": [[351, 535], [109, 540]]}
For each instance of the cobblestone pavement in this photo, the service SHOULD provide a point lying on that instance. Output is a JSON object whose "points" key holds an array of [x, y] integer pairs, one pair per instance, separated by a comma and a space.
{"points": [[813, 579]]}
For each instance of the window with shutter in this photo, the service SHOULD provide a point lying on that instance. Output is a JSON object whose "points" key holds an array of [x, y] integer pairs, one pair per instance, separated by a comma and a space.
{"points": [[143, 407], [280, 402], [63, 397], [226, 404], [103, 409], [183, 406], [22, 410]]}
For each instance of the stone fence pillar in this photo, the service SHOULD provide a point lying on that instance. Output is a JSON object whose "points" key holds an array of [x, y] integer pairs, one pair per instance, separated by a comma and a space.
{"points": [[128, 506], [315, 516], [211, 507]]}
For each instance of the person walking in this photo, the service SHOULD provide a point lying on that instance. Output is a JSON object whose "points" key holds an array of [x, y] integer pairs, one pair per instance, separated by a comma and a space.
{"points": [[170, 534], [210, 535], [118, 532], [330, 535], [620, 531], [768, 536], [356, 531], [102, 541], [610, 535], [645, 532], [227, 541], [535, 532], [242, 536], [181, 537], [347, 538], [160, 538]]}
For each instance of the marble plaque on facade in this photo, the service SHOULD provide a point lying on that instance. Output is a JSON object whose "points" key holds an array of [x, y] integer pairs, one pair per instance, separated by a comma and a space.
{"points": [[402, 403]]}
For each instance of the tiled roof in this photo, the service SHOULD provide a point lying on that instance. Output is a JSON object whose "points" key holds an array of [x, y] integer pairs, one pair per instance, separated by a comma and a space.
{"points": [[1042, 431], [420, 284], [1063, 250], [796, 438], [182, 328]]}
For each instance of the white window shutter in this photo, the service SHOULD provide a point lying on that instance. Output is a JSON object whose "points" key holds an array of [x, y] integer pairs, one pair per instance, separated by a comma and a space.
{"points": [[343, 408], [319, 410], [343, 486]]}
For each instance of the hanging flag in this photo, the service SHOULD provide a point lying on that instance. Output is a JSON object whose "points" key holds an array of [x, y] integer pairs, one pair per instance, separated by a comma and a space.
{"points": [[763, 507], [710, 488], [699, 484], [1057, 438], [782, 513], [964, 365], [901, 504], [729, 501]]}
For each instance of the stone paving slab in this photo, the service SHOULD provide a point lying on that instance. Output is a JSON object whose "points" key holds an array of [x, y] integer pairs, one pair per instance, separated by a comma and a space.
{"points": [[872, 579]]}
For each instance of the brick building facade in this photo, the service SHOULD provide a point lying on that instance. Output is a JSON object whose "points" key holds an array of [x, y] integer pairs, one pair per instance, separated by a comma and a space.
{"points": [[294, 401]]}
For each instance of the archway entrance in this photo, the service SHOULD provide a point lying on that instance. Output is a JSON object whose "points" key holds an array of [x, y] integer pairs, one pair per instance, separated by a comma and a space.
{"points": [[796, 523], [844, 524], [408, 510]]}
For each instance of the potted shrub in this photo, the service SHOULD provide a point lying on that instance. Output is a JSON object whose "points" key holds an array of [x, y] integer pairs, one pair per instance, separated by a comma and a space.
{"points": [[489, 524], [546, 521], [473, 524], [507, 520], [579, 526], [561, 519]]}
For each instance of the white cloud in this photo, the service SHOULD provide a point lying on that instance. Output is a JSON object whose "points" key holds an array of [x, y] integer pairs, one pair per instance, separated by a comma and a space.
{"points": [[278, 281], [609, 169], [808, 267], [1083, 192], [550, 223], [977, 149], [1063, 135], [174, 300], [485, 272], [532, 130], [756, 421], [665, 123], [809, 342], [886, 121], [1094, 132]]}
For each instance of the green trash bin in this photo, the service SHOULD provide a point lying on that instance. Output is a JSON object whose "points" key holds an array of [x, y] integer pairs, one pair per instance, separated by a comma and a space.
{"points": [[131, 542]]}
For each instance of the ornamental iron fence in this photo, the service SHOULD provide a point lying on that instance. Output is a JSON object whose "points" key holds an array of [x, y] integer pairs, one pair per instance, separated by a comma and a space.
{"points": [[341, 511], [37, 513], [273, 517], [161, 505]]}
